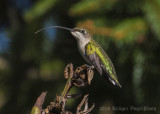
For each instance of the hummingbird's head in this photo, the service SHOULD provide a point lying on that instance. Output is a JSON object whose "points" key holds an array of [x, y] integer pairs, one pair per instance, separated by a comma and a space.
{"points": [[81, 34]]}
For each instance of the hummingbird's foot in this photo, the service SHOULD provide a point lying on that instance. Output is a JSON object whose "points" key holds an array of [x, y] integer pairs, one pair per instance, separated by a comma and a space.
{"points": [[83, 75], [92, 67], [85, 66], [90, 72]]}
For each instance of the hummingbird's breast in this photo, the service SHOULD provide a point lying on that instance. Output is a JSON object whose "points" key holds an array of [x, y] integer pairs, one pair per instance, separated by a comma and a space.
{"points": [[82, 49]]}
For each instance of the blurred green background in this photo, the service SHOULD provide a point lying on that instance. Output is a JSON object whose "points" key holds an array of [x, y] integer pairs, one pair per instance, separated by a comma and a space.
{"points": [[128, 30]]}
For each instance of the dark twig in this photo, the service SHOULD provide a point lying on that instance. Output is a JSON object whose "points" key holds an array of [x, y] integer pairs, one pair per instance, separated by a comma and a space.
{"points": [[85, 103]]}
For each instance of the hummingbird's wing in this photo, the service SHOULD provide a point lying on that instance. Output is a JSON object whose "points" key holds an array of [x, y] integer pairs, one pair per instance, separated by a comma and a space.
{"points": [[99, 59], [95, 62]]}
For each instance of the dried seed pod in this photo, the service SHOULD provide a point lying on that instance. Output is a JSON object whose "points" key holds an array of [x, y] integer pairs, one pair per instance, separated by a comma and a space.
{"points": [[66, 74], [83, 76], [90, 74]]}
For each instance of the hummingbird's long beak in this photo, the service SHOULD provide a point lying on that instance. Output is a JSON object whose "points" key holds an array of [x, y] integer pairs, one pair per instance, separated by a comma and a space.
{"points": [[54, 27]]}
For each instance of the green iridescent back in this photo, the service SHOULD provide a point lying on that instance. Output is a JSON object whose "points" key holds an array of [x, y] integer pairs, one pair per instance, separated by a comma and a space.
{"points": [[94, 48]]}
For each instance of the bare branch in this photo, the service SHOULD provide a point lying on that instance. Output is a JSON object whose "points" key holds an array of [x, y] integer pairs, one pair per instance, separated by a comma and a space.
{"points": [[81, 77], [85, 103]]}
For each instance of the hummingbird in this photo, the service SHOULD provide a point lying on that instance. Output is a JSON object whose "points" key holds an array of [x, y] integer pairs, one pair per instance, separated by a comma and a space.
{"points": [[93, 53]]}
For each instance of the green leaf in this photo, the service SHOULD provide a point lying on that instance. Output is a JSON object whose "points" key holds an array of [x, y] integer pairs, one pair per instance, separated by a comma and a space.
{"points": [[39, 9], [88, 6], [151, 9]]}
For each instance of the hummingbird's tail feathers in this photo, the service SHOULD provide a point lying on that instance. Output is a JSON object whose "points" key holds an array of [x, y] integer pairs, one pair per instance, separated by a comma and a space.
{"points": [[112, 76], [115, 83]]}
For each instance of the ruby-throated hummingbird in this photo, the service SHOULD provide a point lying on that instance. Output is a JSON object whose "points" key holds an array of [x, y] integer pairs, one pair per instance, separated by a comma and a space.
{"points": [[92, 53]]}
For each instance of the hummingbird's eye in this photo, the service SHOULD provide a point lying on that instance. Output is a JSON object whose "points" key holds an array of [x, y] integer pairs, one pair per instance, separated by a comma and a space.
{"points": [[83, 31]]}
